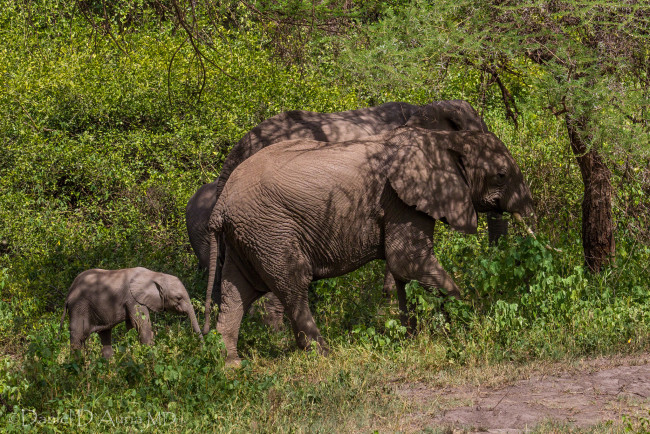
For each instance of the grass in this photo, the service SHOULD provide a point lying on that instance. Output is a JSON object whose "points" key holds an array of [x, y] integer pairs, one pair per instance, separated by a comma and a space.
{"points": [[354, 389], [99, 154]]}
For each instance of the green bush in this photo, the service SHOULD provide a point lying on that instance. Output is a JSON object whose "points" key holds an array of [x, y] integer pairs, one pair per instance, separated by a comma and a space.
{"points": [[103, 139]]}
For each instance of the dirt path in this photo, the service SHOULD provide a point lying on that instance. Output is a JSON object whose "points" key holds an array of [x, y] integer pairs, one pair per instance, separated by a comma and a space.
{"points": [[582, 395]]}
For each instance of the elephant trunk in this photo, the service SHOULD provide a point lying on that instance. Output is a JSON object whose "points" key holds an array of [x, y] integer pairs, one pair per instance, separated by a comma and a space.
{"points": [[195, 323], [213, 266], [497, 227]]}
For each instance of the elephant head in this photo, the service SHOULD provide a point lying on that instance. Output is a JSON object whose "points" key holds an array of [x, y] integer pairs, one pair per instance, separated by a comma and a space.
{"points": [[453, 175], [162, 292], [458, 115]]}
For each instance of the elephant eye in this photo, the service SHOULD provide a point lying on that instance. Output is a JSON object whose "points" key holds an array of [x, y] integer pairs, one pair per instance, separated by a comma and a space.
{"points": [[499, 178]]}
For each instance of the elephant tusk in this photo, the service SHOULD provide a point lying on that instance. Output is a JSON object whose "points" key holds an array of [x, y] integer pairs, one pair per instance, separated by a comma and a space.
{"points": [[519, 219]]}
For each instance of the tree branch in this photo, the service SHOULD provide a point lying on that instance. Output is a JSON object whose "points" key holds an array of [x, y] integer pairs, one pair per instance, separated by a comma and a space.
{"points": [[507, 97], [199, 53]]}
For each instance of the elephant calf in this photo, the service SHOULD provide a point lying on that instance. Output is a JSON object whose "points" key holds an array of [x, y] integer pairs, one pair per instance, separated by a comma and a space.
{"points": [[98, 300]]}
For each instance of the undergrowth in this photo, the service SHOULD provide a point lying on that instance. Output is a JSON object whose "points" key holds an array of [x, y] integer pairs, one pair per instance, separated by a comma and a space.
{"points": [[100, 151]]}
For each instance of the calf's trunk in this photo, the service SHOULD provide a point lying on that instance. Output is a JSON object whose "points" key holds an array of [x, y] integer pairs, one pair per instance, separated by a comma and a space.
{"points": [[195, 323]]}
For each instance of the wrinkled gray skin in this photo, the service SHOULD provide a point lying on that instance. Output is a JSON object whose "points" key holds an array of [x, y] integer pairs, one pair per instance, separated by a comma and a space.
{"points": [[303, 210], [327, 127], [98, 300]]}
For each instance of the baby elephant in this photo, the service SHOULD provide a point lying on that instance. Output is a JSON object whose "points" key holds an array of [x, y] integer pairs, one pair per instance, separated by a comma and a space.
{"points": [[98, 300]]}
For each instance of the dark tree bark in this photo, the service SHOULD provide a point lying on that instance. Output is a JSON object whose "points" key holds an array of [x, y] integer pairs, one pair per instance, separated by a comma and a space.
{"points": [[597, 221]]}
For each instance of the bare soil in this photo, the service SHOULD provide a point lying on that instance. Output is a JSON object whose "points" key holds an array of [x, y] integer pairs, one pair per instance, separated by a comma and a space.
{"points": [[580, 395]]}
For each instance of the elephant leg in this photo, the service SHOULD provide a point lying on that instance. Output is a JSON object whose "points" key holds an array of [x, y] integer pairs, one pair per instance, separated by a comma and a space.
{"points": [[430, 274], [290, 283], [425, 269], [79, 332], [237, 295], [272, 312], [406, 316], [409, 256], [287, 273], [304, 326], [139, 316], [409, 252], [105, 337], [390, 285]]}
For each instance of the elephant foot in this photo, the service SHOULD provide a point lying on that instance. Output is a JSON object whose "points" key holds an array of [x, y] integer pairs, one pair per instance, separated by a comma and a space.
{"points": [[233, 363], [107, 352], [319, 346]]}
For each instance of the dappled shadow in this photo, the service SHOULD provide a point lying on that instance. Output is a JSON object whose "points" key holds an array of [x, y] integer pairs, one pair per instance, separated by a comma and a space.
{"points": [[324, 127], [304, 210]]}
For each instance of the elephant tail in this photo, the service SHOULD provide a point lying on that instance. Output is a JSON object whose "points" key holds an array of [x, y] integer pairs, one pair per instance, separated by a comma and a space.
{"points": [[214, 276]]}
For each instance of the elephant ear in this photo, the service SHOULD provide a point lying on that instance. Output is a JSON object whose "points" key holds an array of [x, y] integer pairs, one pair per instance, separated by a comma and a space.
{"points": [[145, 290], [433, 180]]}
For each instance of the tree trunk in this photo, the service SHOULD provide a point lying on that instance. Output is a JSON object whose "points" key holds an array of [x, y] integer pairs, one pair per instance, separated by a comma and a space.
{"points": [[597, 222]]}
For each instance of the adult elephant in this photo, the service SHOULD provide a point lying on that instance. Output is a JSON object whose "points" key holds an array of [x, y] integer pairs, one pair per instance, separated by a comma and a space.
{"points": [[454, 115], [303, 210]]}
